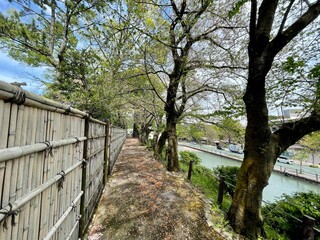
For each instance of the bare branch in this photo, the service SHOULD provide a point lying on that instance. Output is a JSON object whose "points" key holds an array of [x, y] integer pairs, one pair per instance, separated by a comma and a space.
{"points": [[282, 39], [285, 16]]}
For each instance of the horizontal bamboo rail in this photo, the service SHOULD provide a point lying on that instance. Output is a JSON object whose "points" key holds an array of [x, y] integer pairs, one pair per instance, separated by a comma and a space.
{"points": [[16, 152], [20, 202], [43, 143], [74, 228], [10, 92], [63, 217]]}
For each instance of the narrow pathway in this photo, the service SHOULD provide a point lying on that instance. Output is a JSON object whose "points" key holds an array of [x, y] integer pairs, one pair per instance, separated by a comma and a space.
{"points": [[143, 201]]}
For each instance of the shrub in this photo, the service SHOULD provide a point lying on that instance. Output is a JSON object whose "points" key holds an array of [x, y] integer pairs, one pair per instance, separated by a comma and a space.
{"points": [[230, 175], [276, 215], [187, 156]]}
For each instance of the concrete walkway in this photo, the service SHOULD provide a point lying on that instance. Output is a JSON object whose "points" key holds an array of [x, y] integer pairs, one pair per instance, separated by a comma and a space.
{"points": [[143, 201]]}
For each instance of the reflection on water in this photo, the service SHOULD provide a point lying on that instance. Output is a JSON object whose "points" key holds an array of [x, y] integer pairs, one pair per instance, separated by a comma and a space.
{"points": [[278, 183]]}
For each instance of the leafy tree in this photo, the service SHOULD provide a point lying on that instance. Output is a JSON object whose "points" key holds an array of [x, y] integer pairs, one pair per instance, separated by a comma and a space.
{"points": [[232, 129], [230, 175], [38, 38], [278, 214], [196, 132], [187, 32], [183, 131], [302, 155], [182, 37], [270, 30], [311, 142], [55, 34], [187, 156]]}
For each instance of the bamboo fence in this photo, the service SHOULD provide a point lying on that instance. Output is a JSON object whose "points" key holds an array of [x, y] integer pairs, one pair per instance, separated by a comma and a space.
{"points": [[53, 165], [117, 138]]}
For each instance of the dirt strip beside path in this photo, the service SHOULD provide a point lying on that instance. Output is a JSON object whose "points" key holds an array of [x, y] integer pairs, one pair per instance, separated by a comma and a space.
{"points": [[143, 201]]}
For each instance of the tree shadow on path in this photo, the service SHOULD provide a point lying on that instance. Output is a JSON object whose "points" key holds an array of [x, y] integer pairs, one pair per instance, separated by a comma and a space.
{"points": [[143, 201]]}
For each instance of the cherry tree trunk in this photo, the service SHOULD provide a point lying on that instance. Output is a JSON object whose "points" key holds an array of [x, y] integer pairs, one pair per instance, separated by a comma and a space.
{"points": [[172, 150]]}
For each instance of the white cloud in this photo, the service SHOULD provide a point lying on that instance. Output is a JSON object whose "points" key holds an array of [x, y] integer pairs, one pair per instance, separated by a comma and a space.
{"points": [[47, 9], [14, 71]]}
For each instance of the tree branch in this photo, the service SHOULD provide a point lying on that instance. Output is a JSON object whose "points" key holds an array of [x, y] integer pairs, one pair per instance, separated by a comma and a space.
{"points": [[285, 16], [52, 26], [303, 21], [291, 132]]}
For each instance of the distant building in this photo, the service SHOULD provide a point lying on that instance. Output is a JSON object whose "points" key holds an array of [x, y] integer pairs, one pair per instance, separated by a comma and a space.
{"points": [[293, 113], [290, 114]]}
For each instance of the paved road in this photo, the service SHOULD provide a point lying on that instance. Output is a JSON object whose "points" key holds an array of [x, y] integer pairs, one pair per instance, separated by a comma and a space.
{"points": [[304, 172]]}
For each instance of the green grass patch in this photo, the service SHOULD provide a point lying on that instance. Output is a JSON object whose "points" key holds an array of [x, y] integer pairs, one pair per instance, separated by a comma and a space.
{"points": [[203, 178]]}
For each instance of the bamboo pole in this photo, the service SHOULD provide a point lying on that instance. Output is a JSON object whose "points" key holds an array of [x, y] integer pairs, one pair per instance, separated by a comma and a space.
{"points": [[46, 166], [96, 153], [16, 152], [110, 150], [6, 192], [2, 171], [17, 230], [8, 91], [26, 221], [73, 229], [44, 210], [63, 217], [82, 224], [26, 139], [4, 123], [31, 219], [35, 192], [19, 142]]}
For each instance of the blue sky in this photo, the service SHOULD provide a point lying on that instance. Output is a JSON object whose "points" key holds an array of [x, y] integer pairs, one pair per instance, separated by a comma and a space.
{"points": [[14, 71]]}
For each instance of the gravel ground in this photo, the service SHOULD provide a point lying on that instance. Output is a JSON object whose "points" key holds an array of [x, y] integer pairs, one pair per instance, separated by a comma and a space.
{"points": [[143, 201]]}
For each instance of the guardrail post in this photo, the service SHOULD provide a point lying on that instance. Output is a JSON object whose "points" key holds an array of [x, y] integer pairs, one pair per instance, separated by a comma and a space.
{"points": [[308, 224], [190, 170], [221, 190], [297, 173], [317, 177]]}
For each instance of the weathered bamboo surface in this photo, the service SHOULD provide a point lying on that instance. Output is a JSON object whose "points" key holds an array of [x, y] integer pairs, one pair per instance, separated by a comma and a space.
{"points": [[117, 138], [52, 161]]}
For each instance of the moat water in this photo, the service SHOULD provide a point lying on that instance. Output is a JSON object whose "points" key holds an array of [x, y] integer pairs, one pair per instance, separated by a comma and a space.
{"points": [[278, 182]]}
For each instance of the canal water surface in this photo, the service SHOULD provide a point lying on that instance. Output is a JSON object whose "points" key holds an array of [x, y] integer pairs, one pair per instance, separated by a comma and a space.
{"points": [[278, 183]]}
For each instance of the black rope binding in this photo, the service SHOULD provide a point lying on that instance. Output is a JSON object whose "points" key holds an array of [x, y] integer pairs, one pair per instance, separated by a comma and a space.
{"points": [[84, 163], [7, 214], [73, 206], [67, 111], [19, 97], [61, 180], [77, 142], [49, 148]]}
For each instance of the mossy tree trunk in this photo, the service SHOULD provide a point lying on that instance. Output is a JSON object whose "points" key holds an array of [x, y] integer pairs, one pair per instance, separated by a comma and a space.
{"points": [[262, 147], [173, 160], [160, 144]]}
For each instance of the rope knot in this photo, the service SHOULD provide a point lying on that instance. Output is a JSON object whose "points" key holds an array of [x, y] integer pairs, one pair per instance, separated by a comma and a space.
{"points": [[61, 180], [19, 96], [48, 148], [78, 141], [7, 214]]}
